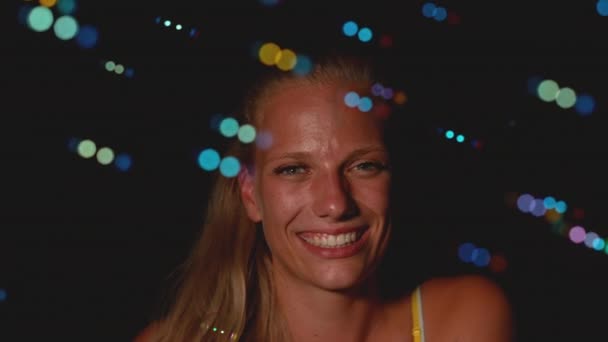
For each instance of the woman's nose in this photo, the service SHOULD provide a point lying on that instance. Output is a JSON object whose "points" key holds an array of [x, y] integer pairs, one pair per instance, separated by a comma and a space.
{"points": [[332, 198]]}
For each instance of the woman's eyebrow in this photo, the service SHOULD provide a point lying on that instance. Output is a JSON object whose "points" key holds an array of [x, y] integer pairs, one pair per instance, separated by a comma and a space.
{"points": [[352, 155]]}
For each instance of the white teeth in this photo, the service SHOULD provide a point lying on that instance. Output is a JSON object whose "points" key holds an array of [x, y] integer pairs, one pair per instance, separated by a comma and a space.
{"points": [[332, 241]]}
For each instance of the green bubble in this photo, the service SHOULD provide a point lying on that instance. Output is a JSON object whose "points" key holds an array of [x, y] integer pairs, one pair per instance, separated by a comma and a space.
{"points": [[246, 133], [66, 27], [105, 156], [110, 66], [40, 19], [86, 148], [566, 98], [547, 90], [119, 69]]}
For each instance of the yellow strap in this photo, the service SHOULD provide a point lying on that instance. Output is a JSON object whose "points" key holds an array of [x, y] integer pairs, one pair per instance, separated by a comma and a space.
{"points": [[417, 331]]}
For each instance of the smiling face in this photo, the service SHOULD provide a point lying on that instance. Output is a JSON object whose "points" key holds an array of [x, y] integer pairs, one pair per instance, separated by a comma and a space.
{"points": [[325, 173]]}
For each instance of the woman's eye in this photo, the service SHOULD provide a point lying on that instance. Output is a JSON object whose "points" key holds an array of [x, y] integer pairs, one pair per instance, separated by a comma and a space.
{"points": [[290, 170], [370, 166]]}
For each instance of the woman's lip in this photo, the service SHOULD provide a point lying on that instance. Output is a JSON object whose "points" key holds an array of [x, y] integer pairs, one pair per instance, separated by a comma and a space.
{"points": [[337, 252]]}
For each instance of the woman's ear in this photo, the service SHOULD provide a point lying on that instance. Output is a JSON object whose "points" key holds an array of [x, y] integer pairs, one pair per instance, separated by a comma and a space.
{"points": [[246, 187]]}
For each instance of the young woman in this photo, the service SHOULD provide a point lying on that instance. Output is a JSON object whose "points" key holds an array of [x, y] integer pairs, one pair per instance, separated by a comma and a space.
{"points": [[291, 247]]}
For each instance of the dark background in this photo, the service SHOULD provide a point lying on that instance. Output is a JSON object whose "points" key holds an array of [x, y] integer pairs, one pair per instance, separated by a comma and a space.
{"points": [[86, 251]]}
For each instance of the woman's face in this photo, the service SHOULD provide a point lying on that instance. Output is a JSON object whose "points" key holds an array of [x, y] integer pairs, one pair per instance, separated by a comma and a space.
{"points": [[321, 189]]}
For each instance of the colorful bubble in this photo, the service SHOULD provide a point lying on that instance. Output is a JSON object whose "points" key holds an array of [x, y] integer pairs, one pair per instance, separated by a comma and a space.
{"points": [[230, 167], [40, 19], [209, 159], [350, 28]]}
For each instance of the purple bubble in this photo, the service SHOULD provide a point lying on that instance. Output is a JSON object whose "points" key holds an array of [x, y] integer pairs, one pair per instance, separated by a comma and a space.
{"points": [[577, 234], [524, 202]]}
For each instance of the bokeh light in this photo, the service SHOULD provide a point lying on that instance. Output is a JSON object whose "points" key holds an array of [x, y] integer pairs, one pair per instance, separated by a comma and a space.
{"points": [[3, 295], [287, 60], [351, 99], [365, 104], [269, 53], [119, 69], [73, 144], [549, 202], [481, 257], [400, 97], [599, 244], [129, 72], [429, 9], [498, 263], [303, 65], [48, 3], [350, 28], [66, 6], [533, 83], [215, 121], [263, 140], [209, 159], [123, 162], [440, 14], [105, 156], [449, 134], [387, 93], [365, 34], [577, 234], [229, 127], [269, 3], [40, 19], [86, 148], [591, 236], [524, 202], [167, 23], [87, 37], [537, 208], [566, 98], [547, 90], [230, 167], [585, 104], [460, 138], [377, 89], [465, 252], [66, 27], [110, 65], [178, 27], [561, 207], [602, 7], [246, 133]]}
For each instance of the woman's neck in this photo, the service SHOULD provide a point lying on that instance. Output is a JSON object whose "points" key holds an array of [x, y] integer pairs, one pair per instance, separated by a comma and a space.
{"points": [[314, 314]]}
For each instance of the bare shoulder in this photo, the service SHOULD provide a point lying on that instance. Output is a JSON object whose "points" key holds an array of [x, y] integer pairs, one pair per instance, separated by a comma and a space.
{"points": [[471, 307]]}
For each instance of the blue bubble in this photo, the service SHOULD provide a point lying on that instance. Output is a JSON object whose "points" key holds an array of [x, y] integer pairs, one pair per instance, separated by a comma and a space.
{"points": [[209, 159], [561, 207], [602, 7], [465, 252], [440, 14], [215, 121], [303, 65], [428, 10], [449, 134], [377, 89], [365, 104], [269, 2], [229, 127], [351, 99], [460, 138], [230, 167], [66, 6], [3, 295], [87, 37], [365, 35], [129, 73], [538, 208], [533, 83], [481, 257], [549, 202], [350, 28], [23, 13], [167, 23], [524, 202], [157, 20], [599, 244], [192, 32], [123, 162], [585, 104], [73, 144]]}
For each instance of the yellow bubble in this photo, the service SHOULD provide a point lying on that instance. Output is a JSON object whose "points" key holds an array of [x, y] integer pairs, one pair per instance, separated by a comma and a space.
{"points": [[287, 60], [400, 97], [268, 53], [48, 3]]}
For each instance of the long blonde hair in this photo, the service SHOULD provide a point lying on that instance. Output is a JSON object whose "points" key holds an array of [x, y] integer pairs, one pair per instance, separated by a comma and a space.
{"points": [[225, 292]]}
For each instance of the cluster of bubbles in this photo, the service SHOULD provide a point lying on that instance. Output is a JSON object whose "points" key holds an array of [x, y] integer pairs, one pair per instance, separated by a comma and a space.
{"points": [[481, 257], [119, 69], [430, 10], [387, 93], [538, 207], [602, 7], [209, 160], [548, 90], [87, 149], [193, 32], [459, 138], [351, 29], [65, 26], [353, 100], [271, 54], [577, 234]]}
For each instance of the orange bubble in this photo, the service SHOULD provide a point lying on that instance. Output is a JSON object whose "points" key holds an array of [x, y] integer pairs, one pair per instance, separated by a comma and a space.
{"points": [[552, 216], [400, 97], [498, 264], [48, 3], [269, 53]]}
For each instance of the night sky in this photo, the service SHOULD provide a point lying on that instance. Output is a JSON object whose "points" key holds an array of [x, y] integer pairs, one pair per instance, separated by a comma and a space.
{"points": [[87, 250]]}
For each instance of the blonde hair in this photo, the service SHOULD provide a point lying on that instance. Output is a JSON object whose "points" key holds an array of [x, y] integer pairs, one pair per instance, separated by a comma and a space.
{"points": [[225, 292]]}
